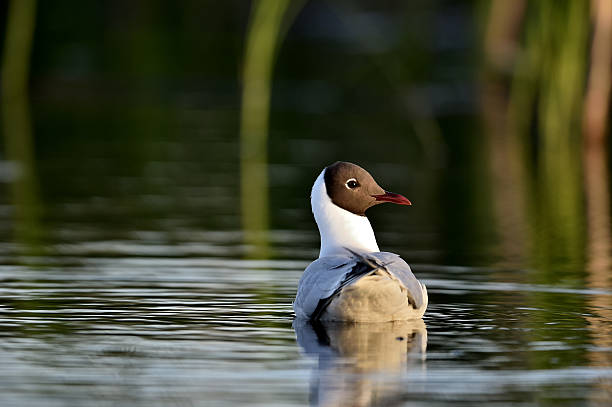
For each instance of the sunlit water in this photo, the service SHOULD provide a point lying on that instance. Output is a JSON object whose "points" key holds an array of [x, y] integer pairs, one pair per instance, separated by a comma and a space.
{"points": [[136, 322], [128, 281]]}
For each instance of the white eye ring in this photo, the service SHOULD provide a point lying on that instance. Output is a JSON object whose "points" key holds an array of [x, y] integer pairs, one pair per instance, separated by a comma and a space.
{"points": [[355, 185]]}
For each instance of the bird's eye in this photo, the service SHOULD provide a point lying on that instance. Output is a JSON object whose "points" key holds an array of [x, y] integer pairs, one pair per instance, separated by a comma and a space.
{"points": [[352, 183]]}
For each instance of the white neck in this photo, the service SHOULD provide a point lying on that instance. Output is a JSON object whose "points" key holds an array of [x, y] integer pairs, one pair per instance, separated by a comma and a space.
{"points": [[339, 228]]}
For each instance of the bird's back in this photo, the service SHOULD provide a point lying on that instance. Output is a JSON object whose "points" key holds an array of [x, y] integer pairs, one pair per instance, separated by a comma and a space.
{"points": [[360, 287]]}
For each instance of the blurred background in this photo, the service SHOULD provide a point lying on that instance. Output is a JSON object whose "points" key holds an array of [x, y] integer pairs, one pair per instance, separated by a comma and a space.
{"points": [[194, 130], [492, 116]]}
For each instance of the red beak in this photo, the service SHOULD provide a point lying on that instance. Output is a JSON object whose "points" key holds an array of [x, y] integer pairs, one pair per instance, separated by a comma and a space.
{"points": [[394, 198]]}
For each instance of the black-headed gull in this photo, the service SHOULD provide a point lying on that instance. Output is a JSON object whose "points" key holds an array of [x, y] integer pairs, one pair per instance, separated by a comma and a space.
{"points": [[352, 280]]}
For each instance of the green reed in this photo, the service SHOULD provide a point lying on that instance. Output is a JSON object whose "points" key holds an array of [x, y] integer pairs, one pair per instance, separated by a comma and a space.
{"points": [[17, 128]]}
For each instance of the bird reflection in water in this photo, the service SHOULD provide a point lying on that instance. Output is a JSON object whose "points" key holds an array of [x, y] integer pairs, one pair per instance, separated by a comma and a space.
{"points": [[361, 364]]}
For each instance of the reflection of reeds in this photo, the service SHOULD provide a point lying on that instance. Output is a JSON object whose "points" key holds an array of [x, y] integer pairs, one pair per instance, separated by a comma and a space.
{"points": [[16, 116], [597, 189], [597, 100], [545, 161], [262, 40], [506, 153], [543, 139], [559, 36]]}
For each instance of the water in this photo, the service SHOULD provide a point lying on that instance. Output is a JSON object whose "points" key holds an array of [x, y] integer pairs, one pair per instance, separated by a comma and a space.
{"points": [[132, 283], [126, 277], [142, 322]]}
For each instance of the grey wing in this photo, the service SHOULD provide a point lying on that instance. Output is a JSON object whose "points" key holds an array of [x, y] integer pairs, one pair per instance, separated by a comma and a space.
{"points": [[324, 278], [398, 268], [321, 280]]}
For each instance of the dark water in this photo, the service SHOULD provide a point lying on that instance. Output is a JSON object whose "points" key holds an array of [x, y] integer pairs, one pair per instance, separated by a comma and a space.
{"points": [[126, 277], [135, 290]]}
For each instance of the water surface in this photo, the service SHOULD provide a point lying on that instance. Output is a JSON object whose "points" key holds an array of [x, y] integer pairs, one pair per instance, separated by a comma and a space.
{"points": [[126, 277], [143, 322]]}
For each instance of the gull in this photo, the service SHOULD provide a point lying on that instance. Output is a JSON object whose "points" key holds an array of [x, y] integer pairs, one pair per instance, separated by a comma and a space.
{"points": [[352, 280]]}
